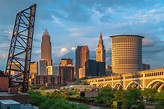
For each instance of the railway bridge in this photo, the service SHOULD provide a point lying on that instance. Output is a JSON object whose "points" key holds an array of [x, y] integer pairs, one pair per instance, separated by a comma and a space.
{"points": [[153, 78]]}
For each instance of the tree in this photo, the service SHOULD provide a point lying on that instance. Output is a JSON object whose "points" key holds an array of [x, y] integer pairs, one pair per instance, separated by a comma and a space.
{"points": [[59, 103], [160, 100], [119, 95], [106, 96], [36, 98], [55, 94], [149, 95], [132, 98], [159, 104], [160, 95]]}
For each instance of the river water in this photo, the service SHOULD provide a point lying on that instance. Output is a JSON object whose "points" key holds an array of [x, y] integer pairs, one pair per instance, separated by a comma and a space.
{"points": [[99, 107]]}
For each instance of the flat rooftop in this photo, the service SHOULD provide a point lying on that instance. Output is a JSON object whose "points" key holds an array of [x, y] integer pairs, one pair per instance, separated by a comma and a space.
{"points": [[127, 35], [9, 102], [6, 94]]}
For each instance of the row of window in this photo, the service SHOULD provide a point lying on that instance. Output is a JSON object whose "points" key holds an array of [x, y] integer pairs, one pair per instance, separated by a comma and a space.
{"points": [[154, 74]]}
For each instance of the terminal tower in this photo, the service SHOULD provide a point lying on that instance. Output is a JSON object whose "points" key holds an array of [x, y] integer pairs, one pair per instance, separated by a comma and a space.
{"points": [[100, 51]]}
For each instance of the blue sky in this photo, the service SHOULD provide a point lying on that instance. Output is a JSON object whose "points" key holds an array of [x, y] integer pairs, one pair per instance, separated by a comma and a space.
{"points": [[79, 22]]}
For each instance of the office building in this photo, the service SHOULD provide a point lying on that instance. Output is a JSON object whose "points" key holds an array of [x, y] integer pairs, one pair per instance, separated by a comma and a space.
{"points": [[46, 80], [33, 68], [52, 70], [66, 62], [145, 66], [94, 68], [66, 71], [101, 68], [49, 70], [66, 74], [56, 70], [46, 48], [82, 73], [43, 65], [33, 72], [15, 68], [91, 68], [126, 53], [100, 51], [82, 55], [108, 70]]}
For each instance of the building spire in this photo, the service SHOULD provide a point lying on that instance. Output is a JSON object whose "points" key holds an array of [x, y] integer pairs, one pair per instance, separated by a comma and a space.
{"points": [[46, 31], [101, 35], [100, 42]]}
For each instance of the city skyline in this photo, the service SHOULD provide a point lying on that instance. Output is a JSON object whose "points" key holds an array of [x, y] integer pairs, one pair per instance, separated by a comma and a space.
{"points": [[74, 22]]}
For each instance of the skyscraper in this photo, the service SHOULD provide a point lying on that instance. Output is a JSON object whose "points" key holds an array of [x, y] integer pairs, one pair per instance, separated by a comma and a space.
{"points": [[66, 71], [46, 48], [82, 55], [126, 53], [100, 51], [43, 64]]}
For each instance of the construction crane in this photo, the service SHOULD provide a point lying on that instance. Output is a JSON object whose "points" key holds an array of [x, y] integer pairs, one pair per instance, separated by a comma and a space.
{"points": [[19, 55]]}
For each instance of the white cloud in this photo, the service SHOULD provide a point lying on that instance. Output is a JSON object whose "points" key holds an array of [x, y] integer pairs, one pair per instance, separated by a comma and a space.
{"points": [[57, 20], [63, 51], [9, 31], [147, 15], [80, 31], [73, 48], [96, 16]]}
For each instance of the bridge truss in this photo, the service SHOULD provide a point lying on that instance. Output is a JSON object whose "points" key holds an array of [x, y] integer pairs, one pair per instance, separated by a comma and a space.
{"points": [[19, 55]]}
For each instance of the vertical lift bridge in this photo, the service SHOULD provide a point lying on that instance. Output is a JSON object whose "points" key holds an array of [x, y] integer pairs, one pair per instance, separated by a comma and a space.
{"points": [[19, 55]]}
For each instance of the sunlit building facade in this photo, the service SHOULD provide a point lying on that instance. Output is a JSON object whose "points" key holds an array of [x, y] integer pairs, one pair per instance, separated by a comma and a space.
{"points": [[100, 51], [33, 68], [46, 48], [82, 55], [126, 53]]}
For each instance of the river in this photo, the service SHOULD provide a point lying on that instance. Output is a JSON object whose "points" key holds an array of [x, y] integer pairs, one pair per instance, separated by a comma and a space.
{"points": [[100, 107]]}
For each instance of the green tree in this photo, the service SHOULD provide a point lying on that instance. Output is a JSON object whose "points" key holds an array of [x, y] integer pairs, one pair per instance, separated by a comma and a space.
{"points": [[132, 98], [149, 95], [119, 95], [61, 104], [106, 96], [159, 95], [55, 94], [36, 98], [159, 104], [159, 100]]}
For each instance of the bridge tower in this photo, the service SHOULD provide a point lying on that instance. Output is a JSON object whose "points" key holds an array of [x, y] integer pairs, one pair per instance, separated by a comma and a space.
{"points": [[20, 48]]}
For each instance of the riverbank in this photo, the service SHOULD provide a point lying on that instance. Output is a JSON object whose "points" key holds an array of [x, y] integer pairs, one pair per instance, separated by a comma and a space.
{"points": [[96, 105], [86, 101]]}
